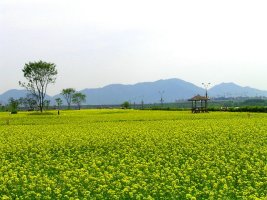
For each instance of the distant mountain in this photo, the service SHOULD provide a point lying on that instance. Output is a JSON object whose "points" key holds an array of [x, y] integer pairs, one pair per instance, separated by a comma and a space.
{"points": [[150, 92], [234, 90], [16, 94]]}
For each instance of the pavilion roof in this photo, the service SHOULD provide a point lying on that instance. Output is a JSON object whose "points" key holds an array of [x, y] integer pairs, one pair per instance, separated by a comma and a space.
{"points": [[198, 98]]}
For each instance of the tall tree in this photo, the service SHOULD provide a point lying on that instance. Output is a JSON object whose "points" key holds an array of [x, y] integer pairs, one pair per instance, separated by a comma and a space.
{"points": [[13, 105], [67, 94], [59, 102], [125, 105], [47, 104], [39, 75], [78, 98], [28, 102]]}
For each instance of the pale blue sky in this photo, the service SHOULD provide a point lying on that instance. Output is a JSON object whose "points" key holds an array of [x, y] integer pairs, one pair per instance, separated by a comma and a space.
{"points": [[95, 43]]}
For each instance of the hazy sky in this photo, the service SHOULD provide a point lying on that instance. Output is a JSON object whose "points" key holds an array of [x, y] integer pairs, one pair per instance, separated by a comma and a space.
{"points": [[99, 42]]}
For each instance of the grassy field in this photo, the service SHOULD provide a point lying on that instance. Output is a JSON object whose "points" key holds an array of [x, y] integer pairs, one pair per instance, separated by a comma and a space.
{"points": [[127, 154]]}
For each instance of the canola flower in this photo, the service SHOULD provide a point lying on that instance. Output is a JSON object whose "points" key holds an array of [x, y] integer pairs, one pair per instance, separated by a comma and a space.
{"points": [[127, 154]]}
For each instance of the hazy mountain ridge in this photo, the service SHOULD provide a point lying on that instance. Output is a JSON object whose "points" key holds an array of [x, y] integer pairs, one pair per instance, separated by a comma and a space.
{"points": [[234, 90], [16, 94], [150, 92]]}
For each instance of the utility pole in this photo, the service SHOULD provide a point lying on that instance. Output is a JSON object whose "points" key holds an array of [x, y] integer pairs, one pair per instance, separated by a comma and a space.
{"points": [[142, 102], [133, 102], [206, 85], [161, 97]]}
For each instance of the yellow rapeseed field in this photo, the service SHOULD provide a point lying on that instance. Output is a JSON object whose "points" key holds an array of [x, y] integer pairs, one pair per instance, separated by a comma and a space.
{"points": [[129, 154]]}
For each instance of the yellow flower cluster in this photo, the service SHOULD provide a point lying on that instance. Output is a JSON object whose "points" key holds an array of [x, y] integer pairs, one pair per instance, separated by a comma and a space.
{"points": [[128, 154]]}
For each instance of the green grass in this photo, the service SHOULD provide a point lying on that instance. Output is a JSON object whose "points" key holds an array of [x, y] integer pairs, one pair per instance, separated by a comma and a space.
{"points": [[124, 154]]}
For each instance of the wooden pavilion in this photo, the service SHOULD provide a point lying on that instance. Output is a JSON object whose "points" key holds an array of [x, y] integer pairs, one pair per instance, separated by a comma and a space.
{"points": [[199, 104]]}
